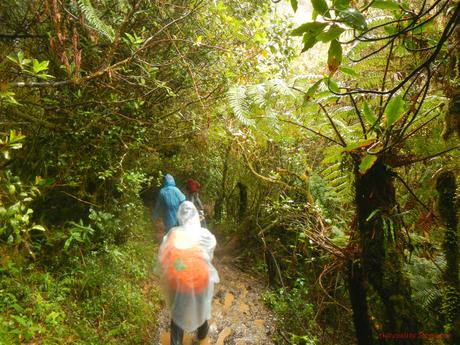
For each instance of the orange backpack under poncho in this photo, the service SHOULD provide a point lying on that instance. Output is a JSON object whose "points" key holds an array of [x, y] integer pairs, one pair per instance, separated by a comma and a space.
{"points": [[185, 268]]}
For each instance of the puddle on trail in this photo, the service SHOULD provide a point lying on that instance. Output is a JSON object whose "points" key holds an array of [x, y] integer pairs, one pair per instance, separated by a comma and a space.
{"points": [[239, 317]]}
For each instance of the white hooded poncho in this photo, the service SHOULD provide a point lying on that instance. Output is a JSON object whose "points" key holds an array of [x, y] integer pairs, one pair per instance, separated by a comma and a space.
{"points": [[189, 310]]}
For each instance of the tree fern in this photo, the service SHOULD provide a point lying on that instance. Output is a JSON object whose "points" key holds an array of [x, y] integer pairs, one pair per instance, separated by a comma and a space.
{"points": [[94, 21]]}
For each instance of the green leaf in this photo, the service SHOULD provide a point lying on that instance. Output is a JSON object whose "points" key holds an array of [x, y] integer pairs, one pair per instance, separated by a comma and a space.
{"points": [[313, 28], [294, 5], [385, 4], [353, 18], [394, 110], [357, 145], [38, 227], [334, 56], [366, 163], [39, 66], [312, 89], [314, 14], [341, 4], [349, 71], [368, 114], [331, 85], [8, 96], [308, 42], [309, 32], [15, 136], [372, 215], [321, 7], [333, 33]]}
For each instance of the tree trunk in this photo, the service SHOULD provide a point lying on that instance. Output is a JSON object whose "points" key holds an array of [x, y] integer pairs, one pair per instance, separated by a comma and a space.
{"points": [[243, 200], [381, 260], [358, 299], [218, 206], [446, 187]]}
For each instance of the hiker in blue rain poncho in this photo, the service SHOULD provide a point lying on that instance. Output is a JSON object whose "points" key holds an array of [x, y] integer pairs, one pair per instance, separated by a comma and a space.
{"points": [[169, 199]]}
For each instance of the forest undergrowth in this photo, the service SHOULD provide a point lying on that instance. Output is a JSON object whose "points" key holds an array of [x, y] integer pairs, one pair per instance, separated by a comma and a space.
{"points": [[100, 297]]}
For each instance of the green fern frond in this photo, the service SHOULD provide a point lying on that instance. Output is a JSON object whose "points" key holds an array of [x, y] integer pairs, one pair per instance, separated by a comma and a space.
{"points": [[336, 180], [331, 169], [238, 103], [342, 110], [257, 94], [430, 298], [280, 87], [94, 21]]}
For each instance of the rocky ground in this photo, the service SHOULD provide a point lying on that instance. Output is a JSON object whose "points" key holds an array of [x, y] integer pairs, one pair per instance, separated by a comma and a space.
{"points": [[239, 316]]}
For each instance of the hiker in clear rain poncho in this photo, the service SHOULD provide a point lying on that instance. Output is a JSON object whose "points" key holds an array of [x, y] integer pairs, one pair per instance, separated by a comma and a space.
{"points": [[168, 202], [187, 275]]}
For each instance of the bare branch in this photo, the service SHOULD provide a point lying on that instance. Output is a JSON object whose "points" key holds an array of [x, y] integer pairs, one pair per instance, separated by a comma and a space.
{"points": [[411, 192], [333, 125], [360, 117], [310, 130], [401, 164]]}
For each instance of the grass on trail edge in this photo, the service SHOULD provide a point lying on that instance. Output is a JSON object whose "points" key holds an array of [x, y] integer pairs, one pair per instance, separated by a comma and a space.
{"points": [[102, 297]]}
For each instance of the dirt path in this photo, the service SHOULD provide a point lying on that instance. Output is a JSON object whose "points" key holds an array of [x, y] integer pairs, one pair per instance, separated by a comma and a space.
{"points": [[238, 314]]}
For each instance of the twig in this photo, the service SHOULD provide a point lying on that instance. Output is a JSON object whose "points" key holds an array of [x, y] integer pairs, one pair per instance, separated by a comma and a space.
{"points": [[310, 130], [333, 126], [425, 158], [358, 112], [76, 198], [121, 31], [415, 130], [424, 90], [282, 334], [16, 36], [387, 66], [411, 192], [262, 177]]}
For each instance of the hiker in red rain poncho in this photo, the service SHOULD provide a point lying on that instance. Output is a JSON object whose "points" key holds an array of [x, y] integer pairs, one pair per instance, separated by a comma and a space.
{"points": [[187, 275]]}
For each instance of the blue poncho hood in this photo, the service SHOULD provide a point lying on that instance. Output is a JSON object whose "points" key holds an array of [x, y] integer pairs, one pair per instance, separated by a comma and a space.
{"points": [[169, 181]]}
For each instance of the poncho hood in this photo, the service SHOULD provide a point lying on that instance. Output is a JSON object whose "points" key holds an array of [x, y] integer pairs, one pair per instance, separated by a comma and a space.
{"points": [[169, 181], [188, 216]]}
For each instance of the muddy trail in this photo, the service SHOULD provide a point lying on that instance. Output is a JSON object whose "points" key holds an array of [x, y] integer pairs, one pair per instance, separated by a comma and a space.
{"points": [[239, 316]]}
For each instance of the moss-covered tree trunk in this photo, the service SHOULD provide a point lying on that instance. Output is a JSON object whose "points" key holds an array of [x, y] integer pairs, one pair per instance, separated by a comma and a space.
{"points": [[358, 299], [381, 260], [446, 187]]}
